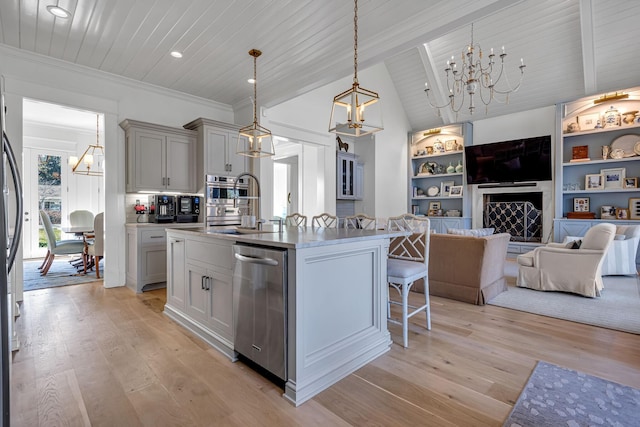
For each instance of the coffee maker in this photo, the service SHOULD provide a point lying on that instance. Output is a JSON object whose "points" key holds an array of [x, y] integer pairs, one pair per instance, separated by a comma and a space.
{"points": [[162, 208]]}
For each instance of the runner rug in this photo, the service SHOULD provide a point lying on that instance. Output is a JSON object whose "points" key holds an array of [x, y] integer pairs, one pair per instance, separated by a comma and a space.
{"points": [[61, 273], [556, 396]]}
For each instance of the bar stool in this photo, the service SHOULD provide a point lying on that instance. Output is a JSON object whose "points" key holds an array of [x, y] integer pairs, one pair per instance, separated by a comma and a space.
{"points": [[325, 220], [408, 261]]}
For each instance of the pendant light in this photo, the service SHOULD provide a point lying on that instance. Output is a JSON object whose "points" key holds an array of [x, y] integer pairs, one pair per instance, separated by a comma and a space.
{"points": [[348, 110], [255, 140], [83, 165]]}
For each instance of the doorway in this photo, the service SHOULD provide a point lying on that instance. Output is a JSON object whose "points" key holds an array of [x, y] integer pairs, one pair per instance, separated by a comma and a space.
{"points": [[285, 186], [52, 135]]}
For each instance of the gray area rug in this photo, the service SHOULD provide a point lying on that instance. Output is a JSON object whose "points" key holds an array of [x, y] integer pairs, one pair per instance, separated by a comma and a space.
{"points": [[61, 273], [556, 396], [618, 308]]}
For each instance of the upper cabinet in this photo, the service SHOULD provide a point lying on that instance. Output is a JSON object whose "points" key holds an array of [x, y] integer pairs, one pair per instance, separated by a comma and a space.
{"points": [[159, 158], [350, 177], [216, 149], [599, 157], [436, 165]]}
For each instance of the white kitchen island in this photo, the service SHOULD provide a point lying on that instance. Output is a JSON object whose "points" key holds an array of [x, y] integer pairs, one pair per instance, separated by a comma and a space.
{"points": [[336, 299]]}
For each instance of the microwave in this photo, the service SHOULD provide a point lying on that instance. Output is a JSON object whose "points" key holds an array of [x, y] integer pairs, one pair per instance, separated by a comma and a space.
{"points": [[188, 208]]}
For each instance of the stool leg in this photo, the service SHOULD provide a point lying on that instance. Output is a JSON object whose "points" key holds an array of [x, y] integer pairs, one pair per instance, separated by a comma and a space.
{"points": [[427, 309], [405, 315]]}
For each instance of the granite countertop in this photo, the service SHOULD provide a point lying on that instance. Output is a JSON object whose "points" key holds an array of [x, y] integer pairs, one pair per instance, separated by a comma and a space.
{"points": [[291, 237]]}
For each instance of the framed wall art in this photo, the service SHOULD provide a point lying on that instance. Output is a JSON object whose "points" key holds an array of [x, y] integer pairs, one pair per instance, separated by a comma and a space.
{"points": [[634, 208], [450, 145], [607, 212], [613, 178], [622, 213], [594, 181], [455, 191], [445, 187], [581, 204], [630, 183]]}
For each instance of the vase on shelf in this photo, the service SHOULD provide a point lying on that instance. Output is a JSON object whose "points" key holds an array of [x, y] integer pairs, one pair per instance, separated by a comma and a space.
{"points": [[451, 168], [459, 167]]}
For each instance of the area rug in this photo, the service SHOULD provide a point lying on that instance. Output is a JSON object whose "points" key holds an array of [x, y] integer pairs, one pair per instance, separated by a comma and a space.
{"points": [[556, 396], [618, 308], [61, 273]]}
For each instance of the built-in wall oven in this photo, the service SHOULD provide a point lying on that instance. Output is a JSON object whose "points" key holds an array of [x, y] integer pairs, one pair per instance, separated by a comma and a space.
{"points": [[226, 200]]}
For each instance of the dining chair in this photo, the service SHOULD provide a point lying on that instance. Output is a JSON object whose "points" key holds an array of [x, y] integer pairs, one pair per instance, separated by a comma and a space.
{"points": [[325, 220], [81, 219], [56, 247], [408, 262], [94, 251], [360, 221], [295, 220]]}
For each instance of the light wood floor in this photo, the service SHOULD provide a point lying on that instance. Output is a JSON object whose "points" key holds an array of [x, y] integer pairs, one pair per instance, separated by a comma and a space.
{"points": [[108, 357]]}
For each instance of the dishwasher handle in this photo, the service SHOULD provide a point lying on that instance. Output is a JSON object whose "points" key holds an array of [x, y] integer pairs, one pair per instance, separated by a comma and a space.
{"points": [[256, 260]]}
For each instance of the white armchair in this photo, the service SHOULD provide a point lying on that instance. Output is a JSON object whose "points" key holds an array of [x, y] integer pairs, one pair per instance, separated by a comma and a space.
{"points": [[555, 267], [621, 256]]}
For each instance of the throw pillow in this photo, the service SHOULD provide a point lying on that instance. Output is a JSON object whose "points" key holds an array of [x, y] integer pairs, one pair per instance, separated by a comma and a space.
{"points": [[474, 232], [619, 237], [574, 244]]}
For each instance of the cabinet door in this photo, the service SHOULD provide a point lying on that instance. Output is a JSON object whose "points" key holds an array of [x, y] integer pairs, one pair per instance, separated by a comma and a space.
{"points": [[153, 263], [180, 175], [345, 179], [359, 181], [149, 153], [176, 273], [221, 302], [197, 297], [236, 163], [216, 152]]}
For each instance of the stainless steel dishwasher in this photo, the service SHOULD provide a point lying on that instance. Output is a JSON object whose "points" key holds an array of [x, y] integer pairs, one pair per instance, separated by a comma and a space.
{"points": [[260, 308]]}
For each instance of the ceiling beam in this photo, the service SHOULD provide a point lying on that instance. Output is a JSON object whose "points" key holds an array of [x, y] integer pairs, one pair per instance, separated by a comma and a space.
{"points": [[437, 89], [588, 46]]}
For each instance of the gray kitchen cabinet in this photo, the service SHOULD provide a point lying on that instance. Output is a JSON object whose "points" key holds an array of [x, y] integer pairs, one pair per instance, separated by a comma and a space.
{"points": [[176, 272], [216, 149], [146, 257], [159, 158]]}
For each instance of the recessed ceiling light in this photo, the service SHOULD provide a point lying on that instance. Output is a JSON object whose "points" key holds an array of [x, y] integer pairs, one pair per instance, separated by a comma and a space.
{"points": [[58, 11], [252, 80], [176, 54]]}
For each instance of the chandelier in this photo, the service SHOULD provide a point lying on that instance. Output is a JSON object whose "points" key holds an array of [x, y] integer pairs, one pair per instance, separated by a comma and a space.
{"points": [[347, 112], [83, 165], [475, 78], [259, 138]]}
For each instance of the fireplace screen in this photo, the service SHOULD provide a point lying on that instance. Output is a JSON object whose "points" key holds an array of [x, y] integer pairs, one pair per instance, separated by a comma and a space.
{"points": [[520, 219]]}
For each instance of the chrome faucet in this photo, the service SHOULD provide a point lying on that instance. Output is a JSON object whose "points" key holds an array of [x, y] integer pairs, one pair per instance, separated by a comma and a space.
{"points": [[235, 185]]}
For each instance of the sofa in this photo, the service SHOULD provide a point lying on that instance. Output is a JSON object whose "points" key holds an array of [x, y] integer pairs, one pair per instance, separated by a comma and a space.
{"points": [[467, 268]]}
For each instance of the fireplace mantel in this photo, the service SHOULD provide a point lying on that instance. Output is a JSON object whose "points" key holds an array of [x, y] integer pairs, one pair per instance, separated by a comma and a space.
{"points": [[545, 187]]}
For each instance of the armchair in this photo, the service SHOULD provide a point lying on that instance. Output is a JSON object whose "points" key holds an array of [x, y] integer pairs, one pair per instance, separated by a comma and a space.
{"points": [[620, 259], [555, 267]]}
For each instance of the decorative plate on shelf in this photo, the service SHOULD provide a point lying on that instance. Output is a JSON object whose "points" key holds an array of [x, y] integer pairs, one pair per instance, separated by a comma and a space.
{"points": [[432, 191], [626, 143], [636, 148]]}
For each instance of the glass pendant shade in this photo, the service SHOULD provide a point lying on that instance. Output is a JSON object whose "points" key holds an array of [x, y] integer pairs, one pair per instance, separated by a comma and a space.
{"points": [[255, 140], [93, 155]]}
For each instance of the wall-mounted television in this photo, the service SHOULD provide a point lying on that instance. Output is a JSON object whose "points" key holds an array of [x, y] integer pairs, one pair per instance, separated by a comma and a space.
{"points": [[519, 160]]}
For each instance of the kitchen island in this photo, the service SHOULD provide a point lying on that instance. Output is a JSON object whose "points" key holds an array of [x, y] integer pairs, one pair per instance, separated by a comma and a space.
{"points": [[335, 299]]}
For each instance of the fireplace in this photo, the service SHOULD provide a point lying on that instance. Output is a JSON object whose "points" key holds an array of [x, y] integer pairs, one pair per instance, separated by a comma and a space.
{"points": [[519, 214], [523, 210]]}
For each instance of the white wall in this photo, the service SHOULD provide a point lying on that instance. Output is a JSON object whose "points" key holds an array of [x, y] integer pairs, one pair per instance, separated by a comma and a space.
{"points": [[306, 118], [36, 77], [526, 124]]}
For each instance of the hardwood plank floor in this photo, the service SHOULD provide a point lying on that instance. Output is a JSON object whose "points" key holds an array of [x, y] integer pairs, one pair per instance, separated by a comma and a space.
{"points": [[108, 357]]}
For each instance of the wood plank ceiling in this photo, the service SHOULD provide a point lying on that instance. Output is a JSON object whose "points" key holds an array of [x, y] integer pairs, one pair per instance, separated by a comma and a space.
{"points": [[571, 47]]}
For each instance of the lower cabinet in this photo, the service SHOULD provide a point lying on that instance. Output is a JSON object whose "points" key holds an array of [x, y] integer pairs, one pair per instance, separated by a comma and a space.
{"points": [[146, 257], [200, 287]]}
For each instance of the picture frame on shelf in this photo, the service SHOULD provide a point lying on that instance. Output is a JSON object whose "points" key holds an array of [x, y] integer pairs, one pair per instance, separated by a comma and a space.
{"points": [[455, 191], [434, 206], [607, 212], [588, 121], [630, 183], [613, 178], [450, 145], [429, 149], [581, 204], [594, 181], [622, 213], [634, 208], [445, 187]]}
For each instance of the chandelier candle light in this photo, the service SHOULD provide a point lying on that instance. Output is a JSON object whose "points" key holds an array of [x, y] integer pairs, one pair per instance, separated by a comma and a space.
{"points": [[475, 78], [348, 110], [82, 166], [259, 138]]}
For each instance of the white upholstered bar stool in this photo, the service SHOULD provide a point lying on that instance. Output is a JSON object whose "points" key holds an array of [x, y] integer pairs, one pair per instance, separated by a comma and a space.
{"points": [[408, 261], [325, 220], [295, 220]]}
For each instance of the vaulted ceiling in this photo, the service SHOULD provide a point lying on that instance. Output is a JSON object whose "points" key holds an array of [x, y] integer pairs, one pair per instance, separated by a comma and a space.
{"points": [[571, 48]]}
